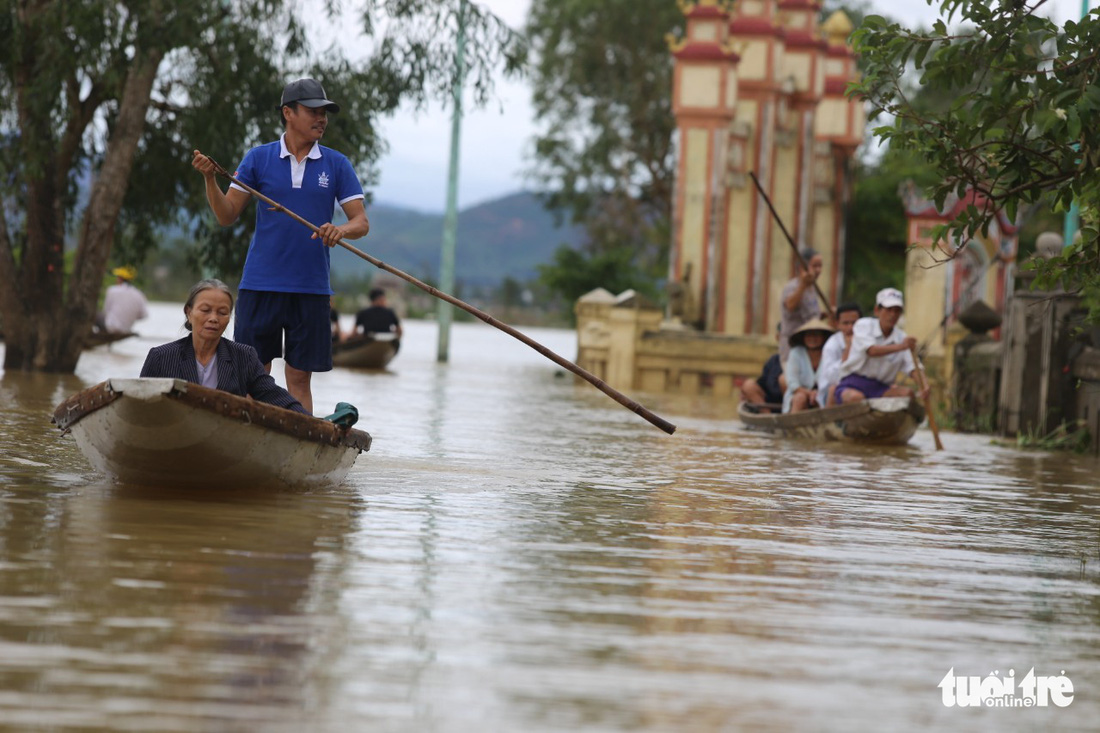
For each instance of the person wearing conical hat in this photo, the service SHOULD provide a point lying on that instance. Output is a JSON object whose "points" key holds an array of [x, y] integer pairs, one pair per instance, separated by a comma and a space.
{"points": [[879, 352], [123, 303], [803, 363]]}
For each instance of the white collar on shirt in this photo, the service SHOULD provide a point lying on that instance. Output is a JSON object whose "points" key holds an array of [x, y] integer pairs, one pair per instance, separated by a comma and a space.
{"points": [[298, 169], [313, 154]]}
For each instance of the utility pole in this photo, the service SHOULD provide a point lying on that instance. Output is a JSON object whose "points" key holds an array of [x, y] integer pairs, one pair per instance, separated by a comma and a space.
{"points": [[1069, 230], [450, 218]]}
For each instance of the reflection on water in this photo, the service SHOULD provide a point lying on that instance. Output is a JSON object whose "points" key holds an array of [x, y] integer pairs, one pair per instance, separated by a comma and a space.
{"points": [[518, 552]]}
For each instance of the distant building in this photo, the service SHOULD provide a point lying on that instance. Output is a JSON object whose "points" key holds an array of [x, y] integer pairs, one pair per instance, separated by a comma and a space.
{"points": [[948, 276]]}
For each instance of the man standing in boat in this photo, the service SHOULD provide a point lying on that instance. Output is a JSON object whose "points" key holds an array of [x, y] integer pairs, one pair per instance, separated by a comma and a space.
{"points": [[798, 302], [285, 289], [879, 352]]}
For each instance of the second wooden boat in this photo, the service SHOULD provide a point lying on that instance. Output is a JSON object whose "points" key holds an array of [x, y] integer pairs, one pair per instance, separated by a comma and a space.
{"points": [[169, 432], [365, 352], [881, 421], [100, 338]]}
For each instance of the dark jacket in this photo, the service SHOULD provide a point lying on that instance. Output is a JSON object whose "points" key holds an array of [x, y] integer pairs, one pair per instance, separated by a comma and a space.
{"points": [[239, 370]]}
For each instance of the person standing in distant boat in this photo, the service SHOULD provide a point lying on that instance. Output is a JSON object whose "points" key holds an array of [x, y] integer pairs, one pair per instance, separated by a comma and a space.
{"points": [[378, 317], [879, 352], [123, 304], [798, 302], [284, 292]]}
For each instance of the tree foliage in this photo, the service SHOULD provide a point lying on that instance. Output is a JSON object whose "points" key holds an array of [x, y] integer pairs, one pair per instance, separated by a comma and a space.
{"points": [[103, 101], [877, 224], [1019, 131], [601, 78], [412, 60]]}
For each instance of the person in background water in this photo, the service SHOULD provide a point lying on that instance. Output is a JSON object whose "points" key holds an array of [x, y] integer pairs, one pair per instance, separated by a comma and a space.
{"points": [[334, 321], [879, 351], [123, 304], [798, 301], [835, 351], [378, 317], [205, 358], [285, 289], [803, 366], [769, 387]]}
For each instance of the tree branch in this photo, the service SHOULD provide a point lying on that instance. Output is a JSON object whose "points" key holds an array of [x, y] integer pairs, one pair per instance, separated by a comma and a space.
{"points": [[101, 216], [80, 116]]}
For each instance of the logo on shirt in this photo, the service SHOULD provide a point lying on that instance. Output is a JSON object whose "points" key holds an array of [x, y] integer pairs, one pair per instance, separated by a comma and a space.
{"points": [[322, 180]]}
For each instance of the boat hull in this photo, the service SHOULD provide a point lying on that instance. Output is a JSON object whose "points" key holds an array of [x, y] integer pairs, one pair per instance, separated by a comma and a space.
{"points": [[880, 421], [100, 338], [364, 353], [168, 432]]}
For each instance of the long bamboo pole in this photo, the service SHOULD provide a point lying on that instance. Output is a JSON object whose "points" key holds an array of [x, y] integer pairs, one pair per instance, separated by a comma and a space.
{"points": [[790, 239], [592, 379], [922, 382]]}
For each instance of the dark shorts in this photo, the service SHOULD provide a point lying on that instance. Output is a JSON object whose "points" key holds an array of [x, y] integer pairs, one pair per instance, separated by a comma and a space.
{"points": [[263, 317], [871, 388]]}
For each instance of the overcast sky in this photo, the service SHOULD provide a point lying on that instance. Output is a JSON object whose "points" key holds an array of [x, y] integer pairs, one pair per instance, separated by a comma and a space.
{"points": [[496, 140]]}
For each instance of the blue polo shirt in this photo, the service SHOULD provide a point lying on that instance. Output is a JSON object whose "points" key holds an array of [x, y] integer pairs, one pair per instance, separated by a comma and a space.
{"points": [[282, 257]]}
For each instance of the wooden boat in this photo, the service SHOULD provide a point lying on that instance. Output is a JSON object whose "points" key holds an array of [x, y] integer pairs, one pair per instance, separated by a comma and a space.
{"points": [[169, 432], [366, 352], [98, 338], [101, 338], [881, 421]]}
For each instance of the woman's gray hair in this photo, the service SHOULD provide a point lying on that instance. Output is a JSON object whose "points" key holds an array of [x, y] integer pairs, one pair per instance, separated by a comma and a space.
{"points": [[209, 283]]}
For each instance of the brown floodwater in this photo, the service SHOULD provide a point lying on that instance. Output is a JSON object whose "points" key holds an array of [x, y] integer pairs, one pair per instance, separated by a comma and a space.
{"points": [[519, 553]]}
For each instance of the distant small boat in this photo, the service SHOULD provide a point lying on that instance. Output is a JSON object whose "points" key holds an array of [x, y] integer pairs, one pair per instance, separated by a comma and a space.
{"points": [[101, 338], [170, 432], [881, 421], [366, 352], [98, 338]]}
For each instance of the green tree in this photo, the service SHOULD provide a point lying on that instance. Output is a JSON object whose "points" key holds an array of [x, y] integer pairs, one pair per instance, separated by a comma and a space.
{"points": [[102, 94], [1021, 131], [573, 273], [601, 79], [877, 224]]}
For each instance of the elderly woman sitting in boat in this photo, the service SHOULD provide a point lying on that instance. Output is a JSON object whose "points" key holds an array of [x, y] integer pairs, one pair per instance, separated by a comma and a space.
{"points": [[205, 358], [803, 364]]}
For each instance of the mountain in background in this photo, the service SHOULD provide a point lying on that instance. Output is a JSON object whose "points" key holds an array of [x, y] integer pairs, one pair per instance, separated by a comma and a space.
{"points": [[506, 237]]}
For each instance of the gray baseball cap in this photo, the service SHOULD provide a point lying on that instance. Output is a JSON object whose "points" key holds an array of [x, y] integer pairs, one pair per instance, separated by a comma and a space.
{"points": [[308, 93]]}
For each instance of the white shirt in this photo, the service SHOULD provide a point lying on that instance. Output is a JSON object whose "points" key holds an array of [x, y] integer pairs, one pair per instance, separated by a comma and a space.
{"points": [[122, 305], [828, 372], [867, 333]]}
